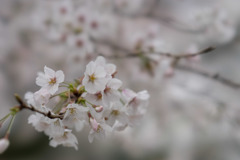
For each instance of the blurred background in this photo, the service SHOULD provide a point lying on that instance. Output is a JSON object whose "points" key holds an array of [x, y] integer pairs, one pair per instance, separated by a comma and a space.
{"points": [[190, 117]]}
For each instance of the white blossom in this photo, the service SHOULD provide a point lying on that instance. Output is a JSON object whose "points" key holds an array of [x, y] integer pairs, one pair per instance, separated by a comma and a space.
{"points": [[39, 122], [117, 113], [110, 68], [41, 97], [29, 98], [38, 100], [96, 99], [136, 104], [76, 116], [99, 130], [95, 78], [67, 139], [99, 127], [55, 129], [111, 93], [50, 79]]}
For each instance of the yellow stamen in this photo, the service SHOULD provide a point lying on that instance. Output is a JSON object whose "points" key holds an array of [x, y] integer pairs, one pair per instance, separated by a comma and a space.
{"points": [[92, 78], [53, 81], [115, 112]]}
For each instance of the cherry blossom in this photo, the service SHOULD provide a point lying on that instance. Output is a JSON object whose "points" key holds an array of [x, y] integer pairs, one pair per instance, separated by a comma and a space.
{"points": [[67, 139], [76, 116], [50, 79], [96, 101], [95, 78]]}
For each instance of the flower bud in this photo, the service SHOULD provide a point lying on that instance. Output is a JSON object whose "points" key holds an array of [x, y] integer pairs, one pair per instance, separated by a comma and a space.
{"points": [[4, 143], [99, 109], [94, 124]]}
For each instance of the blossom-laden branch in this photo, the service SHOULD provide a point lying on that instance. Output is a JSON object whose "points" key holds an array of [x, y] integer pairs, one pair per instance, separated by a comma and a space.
{"points": [[95, 100], [23, 105]]}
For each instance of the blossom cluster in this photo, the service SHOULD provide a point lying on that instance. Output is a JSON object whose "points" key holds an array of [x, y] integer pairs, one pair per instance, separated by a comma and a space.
{"points": [[96, 101]]}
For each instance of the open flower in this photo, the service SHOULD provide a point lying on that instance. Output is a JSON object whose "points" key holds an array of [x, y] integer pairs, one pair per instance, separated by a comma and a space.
{"points": [[76, 116], [111, 93], [50, 79], [55, 129], [41, 97], [110, 68], [117, 114], [99, 130], [38, 99], [67, 139], [95, 78], [39, 122], [136, 104]]}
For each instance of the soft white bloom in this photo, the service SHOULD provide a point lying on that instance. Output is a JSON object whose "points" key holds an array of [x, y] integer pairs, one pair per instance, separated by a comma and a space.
{"points": [[39, 122], [95, 78], [50, 79], [117, 113], [67, 139], [95, 99], [136, 104], [119, 126], [76, 116], [136, 100], [55, 129], [98, 124], [4, 143], [41, 97], [110, 68], [29, 98], [111, 93], [99, 130], [38, 99]]}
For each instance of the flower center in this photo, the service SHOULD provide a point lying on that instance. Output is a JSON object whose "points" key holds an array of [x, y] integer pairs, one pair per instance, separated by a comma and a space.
{"points": [[115, 112], [72, 110], [53, 81], [106, 90], [99, 129], [77, 30], [98, 96], [92, 78]]}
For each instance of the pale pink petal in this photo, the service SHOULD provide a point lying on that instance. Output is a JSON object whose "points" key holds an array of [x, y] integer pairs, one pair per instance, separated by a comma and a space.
{"points": [[49, 71], [114, 83], [60, 76]]}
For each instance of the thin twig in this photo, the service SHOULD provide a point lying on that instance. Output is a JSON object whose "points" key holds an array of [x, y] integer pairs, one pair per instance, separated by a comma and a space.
{"points": [[22, 105], [213, 76], [170, 55], [188, 55], [176, 58]]}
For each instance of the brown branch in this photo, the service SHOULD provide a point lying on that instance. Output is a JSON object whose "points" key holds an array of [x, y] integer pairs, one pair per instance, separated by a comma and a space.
{"points": [[213, 76], [187, 55], [175, 56], [22, 106]]}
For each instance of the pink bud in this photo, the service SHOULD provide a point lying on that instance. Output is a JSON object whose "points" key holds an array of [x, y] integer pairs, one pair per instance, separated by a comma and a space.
{"points": [[4, 143], [94, 124], [99, 109]]}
